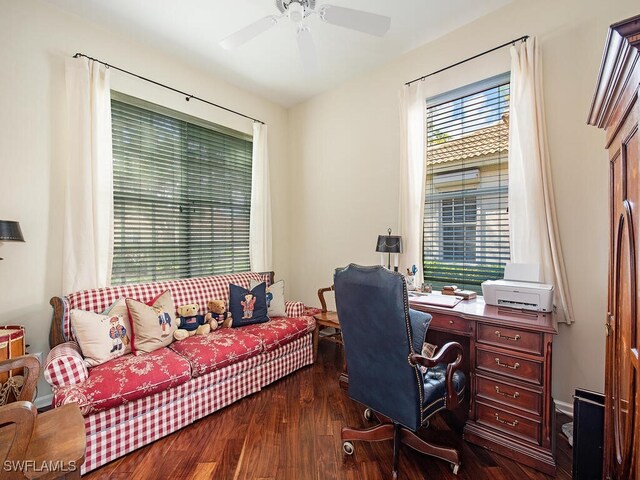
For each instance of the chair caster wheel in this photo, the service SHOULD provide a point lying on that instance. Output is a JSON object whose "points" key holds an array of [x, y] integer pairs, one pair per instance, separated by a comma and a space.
{"points": [[368, 415], [347, 447], [455, 467]]}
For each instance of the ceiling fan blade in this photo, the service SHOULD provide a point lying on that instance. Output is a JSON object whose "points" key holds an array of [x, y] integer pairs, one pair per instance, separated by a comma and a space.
{"points": [[307, 49], [365, 22], [245, 34]]}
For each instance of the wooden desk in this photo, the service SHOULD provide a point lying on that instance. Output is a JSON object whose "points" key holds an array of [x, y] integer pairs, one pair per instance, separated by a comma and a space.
{"points": [[508, 367]]}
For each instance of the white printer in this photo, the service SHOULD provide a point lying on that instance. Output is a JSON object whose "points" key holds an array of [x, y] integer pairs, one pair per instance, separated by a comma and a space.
{"points": [[520, 289]]}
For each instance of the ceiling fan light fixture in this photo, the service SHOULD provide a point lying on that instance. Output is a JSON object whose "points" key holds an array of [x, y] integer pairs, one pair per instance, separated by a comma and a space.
{"points": [[296, 12]]}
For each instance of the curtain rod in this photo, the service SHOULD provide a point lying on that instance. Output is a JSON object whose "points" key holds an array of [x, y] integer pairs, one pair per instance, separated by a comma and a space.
{"points": [[512, 42], [187, 95]]}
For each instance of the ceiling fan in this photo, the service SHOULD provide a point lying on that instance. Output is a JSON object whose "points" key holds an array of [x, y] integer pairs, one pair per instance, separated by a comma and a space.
{"points": [[299, 10]]}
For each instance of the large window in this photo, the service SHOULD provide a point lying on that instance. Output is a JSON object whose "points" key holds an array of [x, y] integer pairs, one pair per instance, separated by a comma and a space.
{"points": [[466, 226], [182, 195]]}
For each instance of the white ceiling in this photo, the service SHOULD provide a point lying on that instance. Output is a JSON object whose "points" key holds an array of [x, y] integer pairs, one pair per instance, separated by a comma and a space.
{"points": [[270, 65]]}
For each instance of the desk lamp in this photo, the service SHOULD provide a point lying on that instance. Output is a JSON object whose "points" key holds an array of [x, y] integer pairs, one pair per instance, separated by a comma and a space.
{"points": [[390, 244], [10, 232]]}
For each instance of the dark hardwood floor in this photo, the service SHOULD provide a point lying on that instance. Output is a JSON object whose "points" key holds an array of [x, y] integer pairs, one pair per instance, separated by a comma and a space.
{"points": [[291, 431]]}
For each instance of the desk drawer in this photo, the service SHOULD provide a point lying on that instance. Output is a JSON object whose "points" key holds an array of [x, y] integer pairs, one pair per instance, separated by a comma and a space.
{"points": [[509, 365], [509, 395], [506, 422], [449, 323], [512, 338]]}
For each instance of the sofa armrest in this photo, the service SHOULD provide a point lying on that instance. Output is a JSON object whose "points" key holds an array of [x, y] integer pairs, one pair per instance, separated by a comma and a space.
{"points": [[294, 309], [65, 365]]}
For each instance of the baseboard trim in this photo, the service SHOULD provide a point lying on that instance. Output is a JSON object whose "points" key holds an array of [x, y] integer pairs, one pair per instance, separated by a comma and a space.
{"points": [[43, 401], [564, 407]]}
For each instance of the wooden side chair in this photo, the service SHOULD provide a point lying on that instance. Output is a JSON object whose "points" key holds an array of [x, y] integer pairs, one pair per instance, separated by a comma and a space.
{"points": [[48, 445], [326, 319]]}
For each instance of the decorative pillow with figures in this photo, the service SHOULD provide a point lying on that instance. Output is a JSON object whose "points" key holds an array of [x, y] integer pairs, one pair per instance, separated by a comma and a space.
{"points": [[218, 316], [152, 323], [104, 336], [190, 322], [276, 306], [248, 306]]}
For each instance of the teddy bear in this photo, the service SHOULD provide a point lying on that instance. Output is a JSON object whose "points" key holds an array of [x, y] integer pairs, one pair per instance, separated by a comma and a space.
{"points": [[218, 315], [190, 323]]}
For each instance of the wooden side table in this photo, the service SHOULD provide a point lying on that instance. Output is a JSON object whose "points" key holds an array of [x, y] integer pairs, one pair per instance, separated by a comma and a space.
{"points": [[56, 446], [59, 435], [326, 319]]}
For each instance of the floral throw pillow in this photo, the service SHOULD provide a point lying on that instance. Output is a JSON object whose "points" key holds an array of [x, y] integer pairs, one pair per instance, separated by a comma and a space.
{"points": [[153, 324], [248, 306]]}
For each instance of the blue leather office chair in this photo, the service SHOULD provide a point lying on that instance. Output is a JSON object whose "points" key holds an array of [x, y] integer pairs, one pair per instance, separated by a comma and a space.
{"points": [[382, 341]]}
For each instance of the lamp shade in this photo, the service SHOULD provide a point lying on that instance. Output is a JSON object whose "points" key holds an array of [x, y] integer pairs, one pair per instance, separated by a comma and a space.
{"points": [[10, 231], [389, 244]]}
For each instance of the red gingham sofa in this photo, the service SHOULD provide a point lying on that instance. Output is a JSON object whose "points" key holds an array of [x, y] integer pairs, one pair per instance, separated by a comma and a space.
{"points": [[133, 400]]}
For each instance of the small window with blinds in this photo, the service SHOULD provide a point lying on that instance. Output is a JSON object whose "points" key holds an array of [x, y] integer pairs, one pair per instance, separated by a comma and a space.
{"points": [[182, 194], [466, 224]]}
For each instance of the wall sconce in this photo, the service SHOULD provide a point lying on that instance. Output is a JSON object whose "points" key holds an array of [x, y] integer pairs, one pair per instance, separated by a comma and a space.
{"points": [[390, 244], [10, 232]]}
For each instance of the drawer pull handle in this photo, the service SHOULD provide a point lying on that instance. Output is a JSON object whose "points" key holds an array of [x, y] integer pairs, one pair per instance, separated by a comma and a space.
{"points": [[510, 424], [450, 322], [513, 339], [515, 366], [511, 395]]}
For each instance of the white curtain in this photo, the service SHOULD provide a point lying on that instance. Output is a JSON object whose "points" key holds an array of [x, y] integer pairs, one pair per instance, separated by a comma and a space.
{"points": [[260, 217], [88, 227], [412, 175], [532, 213]]}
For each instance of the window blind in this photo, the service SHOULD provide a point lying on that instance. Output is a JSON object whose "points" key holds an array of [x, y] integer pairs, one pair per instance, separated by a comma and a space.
{"points": [[466, 226], [182, 195]]}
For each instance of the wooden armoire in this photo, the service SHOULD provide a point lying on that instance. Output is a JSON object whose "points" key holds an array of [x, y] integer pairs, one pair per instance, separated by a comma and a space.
{"points": [[616, 109]]}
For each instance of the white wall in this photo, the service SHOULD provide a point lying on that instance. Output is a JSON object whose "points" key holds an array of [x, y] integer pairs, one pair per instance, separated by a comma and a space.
{"points": [[345, 145], [36, 38], [334, 159]]}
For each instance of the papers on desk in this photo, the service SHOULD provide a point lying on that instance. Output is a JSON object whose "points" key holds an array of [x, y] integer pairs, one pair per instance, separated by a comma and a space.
{"points": [[438, 300]]}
